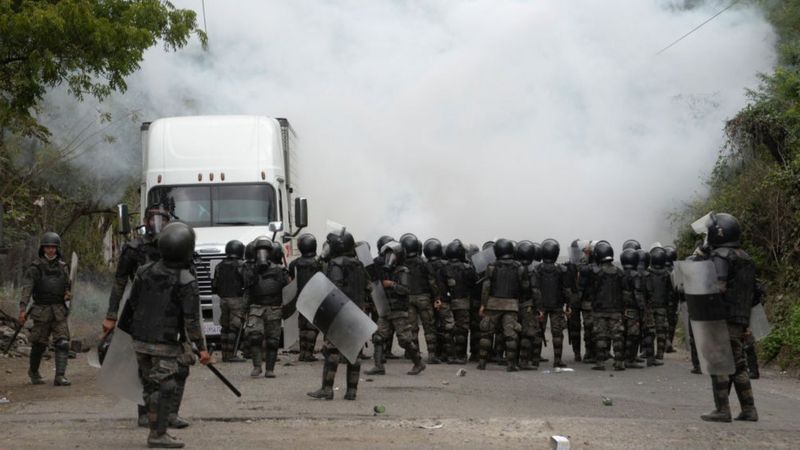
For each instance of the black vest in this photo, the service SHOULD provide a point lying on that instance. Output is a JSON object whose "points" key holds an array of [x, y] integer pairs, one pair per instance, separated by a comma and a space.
{"points": [[228, 278], [53, 283], [505, 279]]}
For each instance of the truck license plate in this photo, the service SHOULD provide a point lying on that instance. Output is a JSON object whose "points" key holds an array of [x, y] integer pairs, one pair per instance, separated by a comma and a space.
{"points": [[211, 329]]}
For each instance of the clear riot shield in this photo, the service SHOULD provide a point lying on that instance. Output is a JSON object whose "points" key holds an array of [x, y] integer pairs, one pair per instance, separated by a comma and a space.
{"points": [[482, 259], [697, 277], [119, 374], [677, 281], [575, 254], [334, 227], [332, 312], [759, 325], [291, 327], [700, 226], [379, 299], [656, 245], [364, 255], [707, 314]]}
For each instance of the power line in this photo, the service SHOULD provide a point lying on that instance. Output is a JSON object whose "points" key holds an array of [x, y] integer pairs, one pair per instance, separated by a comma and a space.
{"points": [[205, 28], [697, 27]]}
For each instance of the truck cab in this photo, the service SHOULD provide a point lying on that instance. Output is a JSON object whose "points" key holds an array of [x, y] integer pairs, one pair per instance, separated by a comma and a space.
{"points": [[228, 177]]}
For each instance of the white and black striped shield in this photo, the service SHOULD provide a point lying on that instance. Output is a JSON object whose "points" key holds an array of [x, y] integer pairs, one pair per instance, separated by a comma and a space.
{"points": [[339, 318]]}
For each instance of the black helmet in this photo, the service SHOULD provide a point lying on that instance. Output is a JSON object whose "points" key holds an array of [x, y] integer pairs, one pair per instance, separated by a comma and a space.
{"points": [[644, 258], [537, 251], [504, 249], [411, 245], [307, 244], [50, 239], [176, 243], [658, 257], [393, 255], [525, 252], [432, 248], [250, 251], [262, 248], [156, 217], [724, 230], [487, 244], [672, 255], [348, 243], [234, 249], [276, 254], [550, 250], [629, 258], [603, 252], [383, 240], [455, 250], [631, 243]]}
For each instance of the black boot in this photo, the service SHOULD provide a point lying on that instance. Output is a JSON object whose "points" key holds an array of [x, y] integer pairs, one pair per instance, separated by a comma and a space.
{"points": [[158, 431], [329, 369], [141, 412], [419, 366], [720, 387], [256, 355], [175, 420], [62, 356], [37, 350], [378, 356], [272, 358], [353, 373]]}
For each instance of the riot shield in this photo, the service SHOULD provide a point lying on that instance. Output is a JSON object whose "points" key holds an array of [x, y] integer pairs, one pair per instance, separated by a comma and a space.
{"points": [[677, 280], [332, 312], [575, 253], [698, 277], [379, 298], [364, 255], [759, 325], [291, 327], [334, 227], [482, 259], [683, 316], [707, 314], [119, 374], [655, 245], [700, 226]]}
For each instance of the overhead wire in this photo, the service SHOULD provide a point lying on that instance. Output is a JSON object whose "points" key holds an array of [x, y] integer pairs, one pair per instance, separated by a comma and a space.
{"points": [[697, 27]]}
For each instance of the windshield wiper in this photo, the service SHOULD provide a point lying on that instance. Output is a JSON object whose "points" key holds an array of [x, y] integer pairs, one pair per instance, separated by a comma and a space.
{"points": [[233, 223]]}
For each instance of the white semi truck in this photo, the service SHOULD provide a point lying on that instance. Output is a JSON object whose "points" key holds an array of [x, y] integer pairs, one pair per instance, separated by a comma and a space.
{"points": [[229, 177]]}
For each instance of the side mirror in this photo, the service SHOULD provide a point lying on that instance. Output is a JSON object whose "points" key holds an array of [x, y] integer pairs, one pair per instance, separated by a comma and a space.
{"points": [[124, 219], [300, 212], [274, 227]]}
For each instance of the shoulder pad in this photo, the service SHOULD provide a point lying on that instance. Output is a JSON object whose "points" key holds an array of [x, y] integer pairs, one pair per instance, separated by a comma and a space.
{"points": [[596, 269], [722, 252], [401, 269], [185, 277]]}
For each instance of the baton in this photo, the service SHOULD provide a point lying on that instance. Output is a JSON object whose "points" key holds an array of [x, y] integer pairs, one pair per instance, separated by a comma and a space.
{"points": [[220, 376]]}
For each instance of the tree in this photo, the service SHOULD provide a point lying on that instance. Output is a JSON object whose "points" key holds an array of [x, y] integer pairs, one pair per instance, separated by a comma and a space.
{"points": [[91, 45]]}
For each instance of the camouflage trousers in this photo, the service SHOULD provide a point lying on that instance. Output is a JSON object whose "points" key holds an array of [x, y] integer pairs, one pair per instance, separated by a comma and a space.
{"points": [[633, 331], [230, 319], [461, 326], [308, 336], [395, 323], [420, 309], [608, 332], [49, 320], [530, 340], [558, 322], [445, 324], [655, 329], [496, 321], [332, 360], [588, 328], [574, 330], [474, 328], [672, 322], [721, 384], [158, 376], [264, 326]]}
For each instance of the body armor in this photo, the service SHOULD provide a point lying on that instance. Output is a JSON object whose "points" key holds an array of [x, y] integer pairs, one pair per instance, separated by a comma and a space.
{"points": [[349, 275], [267, 287], [418, 276], [505, 279], [157, 313], [607, 288], [461, 279], [228, 280], [303, 268], [736, 268], [551, 285], [660, 287], [53, 284]]}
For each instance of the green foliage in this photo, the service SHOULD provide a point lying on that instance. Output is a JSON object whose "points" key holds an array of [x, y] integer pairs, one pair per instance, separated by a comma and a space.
{"points": [[783, 344], [91, 45]]}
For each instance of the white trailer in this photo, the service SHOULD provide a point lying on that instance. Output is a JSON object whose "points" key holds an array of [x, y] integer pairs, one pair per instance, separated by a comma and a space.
{"points": [[229, 177]]}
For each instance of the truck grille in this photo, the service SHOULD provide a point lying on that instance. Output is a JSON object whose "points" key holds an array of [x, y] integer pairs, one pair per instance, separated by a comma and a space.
{"points": [[205, 265]]}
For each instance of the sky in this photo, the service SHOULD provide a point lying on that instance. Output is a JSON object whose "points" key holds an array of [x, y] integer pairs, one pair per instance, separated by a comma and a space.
{"points": [[472, 119]]}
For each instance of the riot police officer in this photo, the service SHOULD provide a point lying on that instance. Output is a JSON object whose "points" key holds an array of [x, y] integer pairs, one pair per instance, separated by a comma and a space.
{"points": [[228, 284], [163, 305], [460, 278], [633, 303], [736, 275], [350, 276], [658, 284], [506, 282], [530, 336], [264, 284], [607, 293], [443, 314], [551, 296], [574, 319], [672, 304], [302, 269], [396, 284], [423, 293], [47, 282]]}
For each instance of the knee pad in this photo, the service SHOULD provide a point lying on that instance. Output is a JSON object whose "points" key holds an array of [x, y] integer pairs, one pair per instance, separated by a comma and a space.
{"points": [[62, 344], [377, 339], [460, 338], [167, 387]]}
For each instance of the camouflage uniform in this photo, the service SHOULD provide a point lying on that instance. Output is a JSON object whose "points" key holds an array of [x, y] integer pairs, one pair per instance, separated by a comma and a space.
{"points": [[302, 269], [444, 315], [634, 305], [659, 292], [549, 287], [608, 284], [47, 281], [506, 282], [460, 280], [264, 285], [423, 289], [228, 284]]}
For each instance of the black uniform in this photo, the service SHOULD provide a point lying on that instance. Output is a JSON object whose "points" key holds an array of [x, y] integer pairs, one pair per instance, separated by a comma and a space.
{"points": [[228, 284], [302, 269]]}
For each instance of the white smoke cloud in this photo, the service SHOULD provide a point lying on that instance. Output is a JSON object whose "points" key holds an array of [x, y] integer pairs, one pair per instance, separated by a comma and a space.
{"points": [[478, 119]]}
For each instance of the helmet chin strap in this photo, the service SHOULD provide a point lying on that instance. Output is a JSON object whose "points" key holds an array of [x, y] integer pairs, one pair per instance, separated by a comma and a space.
{"points": [[50, 258]]}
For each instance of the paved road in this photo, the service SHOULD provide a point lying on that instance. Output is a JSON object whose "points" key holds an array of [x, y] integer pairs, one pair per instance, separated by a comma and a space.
{"points": [[652, 408]]}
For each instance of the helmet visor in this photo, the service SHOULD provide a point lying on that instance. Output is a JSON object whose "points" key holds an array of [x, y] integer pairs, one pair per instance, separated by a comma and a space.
{"points": [[262, 256], [156, 223]]}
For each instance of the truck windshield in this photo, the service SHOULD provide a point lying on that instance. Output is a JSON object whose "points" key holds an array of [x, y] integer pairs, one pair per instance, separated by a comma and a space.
{"points": [[218, 205]]}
